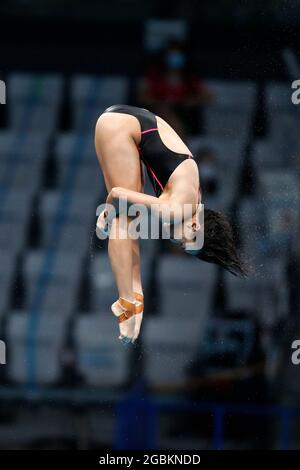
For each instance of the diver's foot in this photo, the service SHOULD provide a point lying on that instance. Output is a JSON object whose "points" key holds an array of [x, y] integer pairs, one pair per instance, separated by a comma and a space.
{"points": [[139, 301], [125, 312]]}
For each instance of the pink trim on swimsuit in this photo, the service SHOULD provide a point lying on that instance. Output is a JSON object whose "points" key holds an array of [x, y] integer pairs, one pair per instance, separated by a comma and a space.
{"points": [[150, 130], [154, 176]]}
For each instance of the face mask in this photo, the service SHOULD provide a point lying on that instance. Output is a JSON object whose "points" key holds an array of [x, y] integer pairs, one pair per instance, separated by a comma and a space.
{"points": [[175, 60], [192, 252]]}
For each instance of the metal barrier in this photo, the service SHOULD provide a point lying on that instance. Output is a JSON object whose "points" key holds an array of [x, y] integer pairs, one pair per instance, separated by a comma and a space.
{"points": [[137, 413], [137, 419]]}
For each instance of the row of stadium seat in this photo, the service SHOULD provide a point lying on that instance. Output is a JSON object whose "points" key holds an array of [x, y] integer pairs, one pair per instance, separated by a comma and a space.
{"points": [[35, 102], [108, 89]]}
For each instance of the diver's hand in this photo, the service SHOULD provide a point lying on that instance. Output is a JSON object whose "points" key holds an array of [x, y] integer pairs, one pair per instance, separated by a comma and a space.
{"points": [[113, 195], [103, 222]]}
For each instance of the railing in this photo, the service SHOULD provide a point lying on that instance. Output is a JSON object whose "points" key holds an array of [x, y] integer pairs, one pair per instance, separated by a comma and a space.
{"points": [[137, 413], [148, 409]]}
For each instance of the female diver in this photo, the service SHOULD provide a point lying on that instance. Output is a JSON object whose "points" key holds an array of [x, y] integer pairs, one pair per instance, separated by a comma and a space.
{"points": [[125, 136]]}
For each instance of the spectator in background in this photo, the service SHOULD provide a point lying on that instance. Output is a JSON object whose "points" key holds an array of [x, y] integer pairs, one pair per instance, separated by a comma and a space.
{"points": [[171, 90], [207, 162]]}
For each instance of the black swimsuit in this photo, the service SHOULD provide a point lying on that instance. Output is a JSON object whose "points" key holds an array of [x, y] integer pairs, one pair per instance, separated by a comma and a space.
{"points": [[158, 159]]}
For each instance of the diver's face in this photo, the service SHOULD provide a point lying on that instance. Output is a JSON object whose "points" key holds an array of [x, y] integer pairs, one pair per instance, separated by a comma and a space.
{"points": [[188, 234]]}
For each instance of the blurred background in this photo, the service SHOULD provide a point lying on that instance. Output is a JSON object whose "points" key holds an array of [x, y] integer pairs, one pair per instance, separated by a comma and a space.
{"points": [[213, 367]]}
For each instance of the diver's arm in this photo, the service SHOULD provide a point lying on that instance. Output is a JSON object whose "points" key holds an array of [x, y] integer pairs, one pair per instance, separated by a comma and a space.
{"points": [[165, 208], [133, 197]]}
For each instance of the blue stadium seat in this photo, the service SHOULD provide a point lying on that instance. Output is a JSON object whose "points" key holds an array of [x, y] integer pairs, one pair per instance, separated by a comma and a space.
{"points": [[40, 88], [266, 153], [238, 95], [227, 122], [280, 188], [35, 356], [88, 175], [269, 305], [70, 219], [103, 287], [7, 271], [278, 97], [54, 281], [102, 359], [252, 226], [66, 143], [90, 95], [186, 288], [34, 102], [170, 345], [14, 220], [228, 336]]}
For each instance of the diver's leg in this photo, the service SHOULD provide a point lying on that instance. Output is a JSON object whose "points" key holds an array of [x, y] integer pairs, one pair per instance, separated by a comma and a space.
{"points": [[121, 257], [120, 163], [137, 288]]}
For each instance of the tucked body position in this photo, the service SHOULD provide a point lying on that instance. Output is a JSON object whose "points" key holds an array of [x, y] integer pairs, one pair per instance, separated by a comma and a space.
{"points": [[126, 139]]}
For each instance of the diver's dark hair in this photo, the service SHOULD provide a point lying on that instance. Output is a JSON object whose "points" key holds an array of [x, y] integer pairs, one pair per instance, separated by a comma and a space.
{"points": [[219, 244]]}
